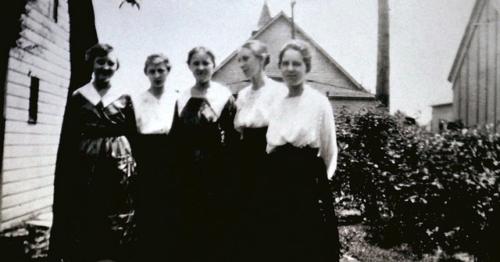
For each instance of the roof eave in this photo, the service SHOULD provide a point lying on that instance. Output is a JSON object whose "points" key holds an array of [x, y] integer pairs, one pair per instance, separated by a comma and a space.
{"points": [[466, 39]]}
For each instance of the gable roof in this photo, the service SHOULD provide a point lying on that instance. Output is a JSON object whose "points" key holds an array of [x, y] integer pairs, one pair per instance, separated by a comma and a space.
{"points": [[280, 15], [468, 36]]}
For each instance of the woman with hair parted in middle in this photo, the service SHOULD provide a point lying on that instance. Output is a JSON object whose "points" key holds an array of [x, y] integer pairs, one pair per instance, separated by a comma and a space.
{"points": [[158, 198], [253, 104], [301, 142], [204, 133]]}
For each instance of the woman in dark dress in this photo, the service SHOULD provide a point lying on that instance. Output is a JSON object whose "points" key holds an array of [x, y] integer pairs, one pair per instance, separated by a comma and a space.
{"points": [[301, 143], [93, 201], [253, 104], [204, 133], [157, 203]]}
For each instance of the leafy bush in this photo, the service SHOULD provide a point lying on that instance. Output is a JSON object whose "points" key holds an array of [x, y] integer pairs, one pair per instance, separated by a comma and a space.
{"points": [[432, 191]]}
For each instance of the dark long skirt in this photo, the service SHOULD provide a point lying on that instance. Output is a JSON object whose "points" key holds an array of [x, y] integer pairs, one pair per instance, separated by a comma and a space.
{"points": [[252, 161], [297, 217], [158, 199]]}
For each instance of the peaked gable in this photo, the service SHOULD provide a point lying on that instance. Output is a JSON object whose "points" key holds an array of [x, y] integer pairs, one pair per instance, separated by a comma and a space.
{"points": [[468, 35], [325, 72]]}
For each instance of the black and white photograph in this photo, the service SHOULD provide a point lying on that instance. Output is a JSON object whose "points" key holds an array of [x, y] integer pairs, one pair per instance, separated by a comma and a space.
{"points": [[250, 131]]}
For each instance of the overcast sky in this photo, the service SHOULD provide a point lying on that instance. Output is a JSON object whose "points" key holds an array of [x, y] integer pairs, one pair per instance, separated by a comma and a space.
{"points": [[425, 35]]}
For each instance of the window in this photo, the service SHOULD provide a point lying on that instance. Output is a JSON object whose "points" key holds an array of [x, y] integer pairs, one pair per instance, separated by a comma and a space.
{"points": [[33, 106], [55, 7]]}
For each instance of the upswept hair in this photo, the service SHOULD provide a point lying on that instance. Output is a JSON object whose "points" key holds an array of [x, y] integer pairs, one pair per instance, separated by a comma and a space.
{"points": [[153, 58], [259, 49], [302, 47], [200, 49]]}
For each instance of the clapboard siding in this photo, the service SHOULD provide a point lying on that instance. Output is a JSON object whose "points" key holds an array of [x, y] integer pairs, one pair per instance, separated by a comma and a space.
{"points": [[33, 213], [30, 149], [22, 115], [26, 208], [11, 188], [27, 173], [475, 74], [28, 162], [490, 68], [22, 198]]}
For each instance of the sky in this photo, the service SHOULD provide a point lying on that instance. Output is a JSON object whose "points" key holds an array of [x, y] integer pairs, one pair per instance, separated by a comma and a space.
{"points": [[425, 36]]}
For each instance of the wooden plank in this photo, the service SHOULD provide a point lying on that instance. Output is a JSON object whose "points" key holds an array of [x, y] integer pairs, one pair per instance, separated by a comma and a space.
{"points": [[30, 139], [23, 127], [27, 208], [23, 63], [22, 115], [41, 62], [496, 71], [20, 80], [44, 96], [25, 197], [25, 174], [37, 21], [29, 150], [15, 77], [18, 220], [51, 98], [456, 97], [16, 187], [473, 81], [16, 102], [30, 47], [491, 53], [57, 110], [23, 103], [28, 162], [482, 70]]}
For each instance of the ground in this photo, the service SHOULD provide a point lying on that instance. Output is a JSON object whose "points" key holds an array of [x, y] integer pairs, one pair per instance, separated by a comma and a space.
{"points": [[29, 243]]}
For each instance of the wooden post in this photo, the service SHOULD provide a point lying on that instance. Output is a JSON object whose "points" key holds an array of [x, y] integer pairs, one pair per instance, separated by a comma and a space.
{"points": [[383, 61]]}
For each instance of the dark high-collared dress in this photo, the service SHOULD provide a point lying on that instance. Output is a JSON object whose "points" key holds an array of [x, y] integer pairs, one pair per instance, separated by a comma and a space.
{"points": [[94, 188], [204, 134]]}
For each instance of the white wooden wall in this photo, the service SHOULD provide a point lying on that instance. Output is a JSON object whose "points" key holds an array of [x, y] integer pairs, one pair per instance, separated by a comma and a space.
{"points": [[30, 149]]}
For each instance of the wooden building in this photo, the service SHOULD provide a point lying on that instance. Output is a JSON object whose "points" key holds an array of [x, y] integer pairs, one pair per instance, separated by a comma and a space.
{"points": [[475, 74], [441, 115], [36, 74], [326, 74]]}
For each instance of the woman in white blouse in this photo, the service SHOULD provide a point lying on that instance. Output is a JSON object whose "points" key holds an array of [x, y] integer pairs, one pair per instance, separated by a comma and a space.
{"points": [[157, 207], [253, 105], [301, 143]]}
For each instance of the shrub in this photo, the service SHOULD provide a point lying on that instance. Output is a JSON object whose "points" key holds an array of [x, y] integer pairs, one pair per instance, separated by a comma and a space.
{"points": [[427, 190]]}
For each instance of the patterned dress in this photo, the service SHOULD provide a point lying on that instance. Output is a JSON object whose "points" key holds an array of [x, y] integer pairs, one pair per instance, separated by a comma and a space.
{"points": [[94, 188]]}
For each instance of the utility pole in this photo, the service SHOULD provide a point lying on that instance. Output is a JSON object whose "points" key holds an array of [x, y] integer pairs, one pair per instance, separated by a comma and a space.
{"points": [[383, 54], [293, 22]]}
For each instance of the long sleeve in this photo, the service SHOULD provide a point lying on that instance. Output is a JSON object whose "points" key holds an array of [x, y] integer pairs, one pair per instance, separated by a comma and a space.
{"points": [[231, 136], [131, 123], [328, 140]]}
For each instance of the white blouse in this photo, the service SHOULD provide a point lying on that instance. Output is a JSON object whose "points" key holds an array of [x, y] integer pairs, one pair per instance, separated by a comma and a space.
{"points": [[216, 95], [254, 106], [154, 115], [305, 120]]}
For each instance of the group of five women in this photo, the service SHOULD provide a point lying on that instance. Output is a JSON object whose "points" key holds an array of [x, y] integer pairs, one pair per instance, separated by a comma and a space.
{"points": [[197, 175]]}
